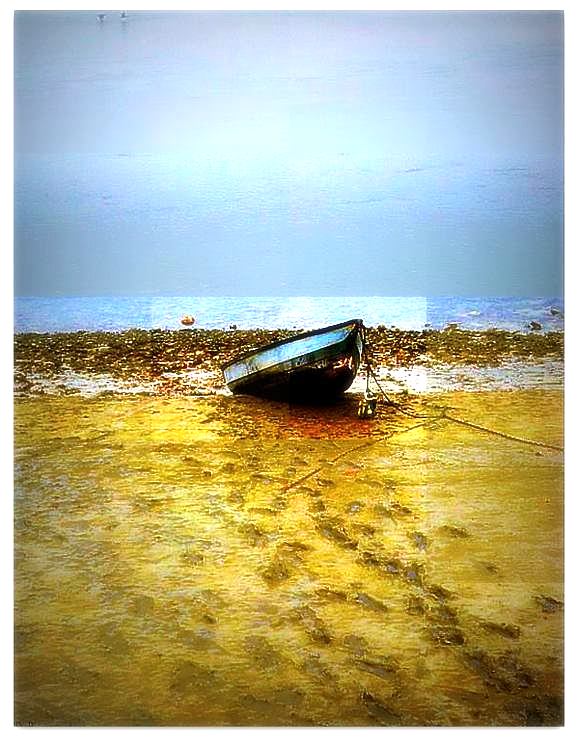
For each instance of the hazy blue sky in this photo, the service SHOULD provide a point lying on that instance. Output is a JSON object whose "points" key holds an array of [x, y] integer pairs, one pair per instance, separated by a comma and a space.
{"points": [[299, 153]]}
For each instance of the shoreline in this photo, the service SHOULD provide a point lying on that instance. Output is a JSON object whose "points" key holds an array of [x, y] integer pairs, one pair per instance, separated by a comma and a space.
{"points": [[187, 362]]}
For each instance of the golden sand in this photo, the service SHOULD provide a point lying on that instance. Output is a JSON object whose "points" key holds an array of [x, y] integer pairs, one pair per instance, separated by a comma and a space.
{"points": [[167, 575]]}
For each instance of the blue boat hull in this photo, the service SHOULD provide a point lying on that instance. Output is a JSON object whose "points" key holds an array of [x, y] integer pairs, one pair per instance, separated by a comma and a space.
{"points": [[317, 365]]}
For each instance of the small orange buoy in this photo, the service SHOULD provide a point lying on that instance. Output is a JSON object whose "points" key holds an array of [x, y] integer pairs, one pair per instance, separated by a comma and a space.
{"points": [[188, 320]]}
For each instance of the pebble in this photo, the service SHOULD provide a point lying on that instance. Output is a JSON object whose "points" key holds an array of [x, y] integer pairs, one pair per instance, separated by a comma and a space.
{"points": [[146, 355]]}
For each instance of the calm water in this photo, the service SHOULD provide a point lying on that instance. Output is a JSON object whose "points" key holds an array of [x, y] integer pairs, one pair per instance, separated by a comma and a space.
{"points": [[55, 314], [315, 154]]}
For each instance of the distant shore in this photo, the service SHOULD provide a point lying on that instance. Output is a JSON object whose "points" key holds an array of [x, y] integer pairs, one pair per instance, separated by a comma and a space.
{"points": [[189, 361]]}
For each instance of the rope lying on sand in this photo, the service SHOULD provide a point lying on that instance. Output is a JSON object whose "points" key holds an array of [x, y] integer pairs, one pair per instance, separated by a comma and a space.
{"points": [[463, 422], [511, 437], [364, 445], [425, 420]]}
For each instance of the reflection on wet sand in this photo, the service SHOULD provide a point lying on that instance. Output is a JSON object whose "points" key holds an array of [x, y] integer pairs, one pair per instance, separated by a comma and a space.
{"points": [[166, 573]]}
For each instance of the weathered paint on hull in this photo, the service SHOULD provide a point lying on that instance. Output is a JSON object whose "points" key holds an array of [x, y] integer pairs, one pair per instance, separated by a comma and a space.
{"points": [[318, 365], [319, 381]]}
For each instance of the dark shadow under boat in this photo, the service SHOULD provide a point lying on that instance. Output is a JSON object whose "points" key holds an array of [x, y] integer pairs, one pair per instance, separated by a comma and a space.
{"points": [[315, 366]]}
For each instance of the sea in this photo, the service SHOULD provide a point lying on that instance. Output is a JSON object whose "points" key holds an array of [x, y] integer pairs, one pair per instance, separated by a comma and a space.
{"points": [[68, 314]]}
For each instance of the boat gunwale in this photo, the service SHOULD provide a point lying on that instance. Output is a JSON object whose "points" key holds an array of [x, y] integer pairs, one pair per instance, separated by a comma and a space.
{"points": [[338, 351], [305, 334]]}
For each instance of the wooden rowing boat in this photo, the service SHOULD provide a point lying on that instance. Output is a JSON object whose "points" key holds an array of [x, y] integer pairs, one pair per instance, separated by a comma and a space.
{"points": [[315, 365]]}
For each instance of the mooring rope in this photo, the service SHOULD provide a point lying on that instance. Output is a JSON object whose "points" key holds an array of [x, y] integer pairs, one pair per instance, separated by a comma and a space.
{"points": [[370, 373], [511, 437], [479, 427], [425, 420], [445, 415], [363, 445]]}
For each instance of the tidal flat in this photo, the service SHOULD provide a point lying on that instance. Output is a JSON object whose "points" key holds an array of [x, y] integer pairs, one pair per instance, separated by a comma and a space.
{"points": [[224, 561]]}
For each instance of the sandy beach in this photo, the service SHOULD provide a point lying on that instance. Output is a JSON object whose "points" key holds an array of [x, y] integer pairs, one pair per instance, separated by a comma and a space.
{"points": [[209, 560], [190, 186]]}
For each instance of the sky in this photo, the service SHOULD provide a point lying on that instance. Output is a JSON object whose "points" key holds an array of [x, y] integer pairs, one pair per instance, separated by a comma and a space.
{"points": [[337, 153]]}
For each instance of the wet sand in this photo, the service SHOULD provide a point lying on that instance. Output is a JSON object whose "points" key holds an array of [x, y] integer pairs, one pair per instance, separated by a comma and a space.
{"points": [[227, 561], [187, 362]]}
